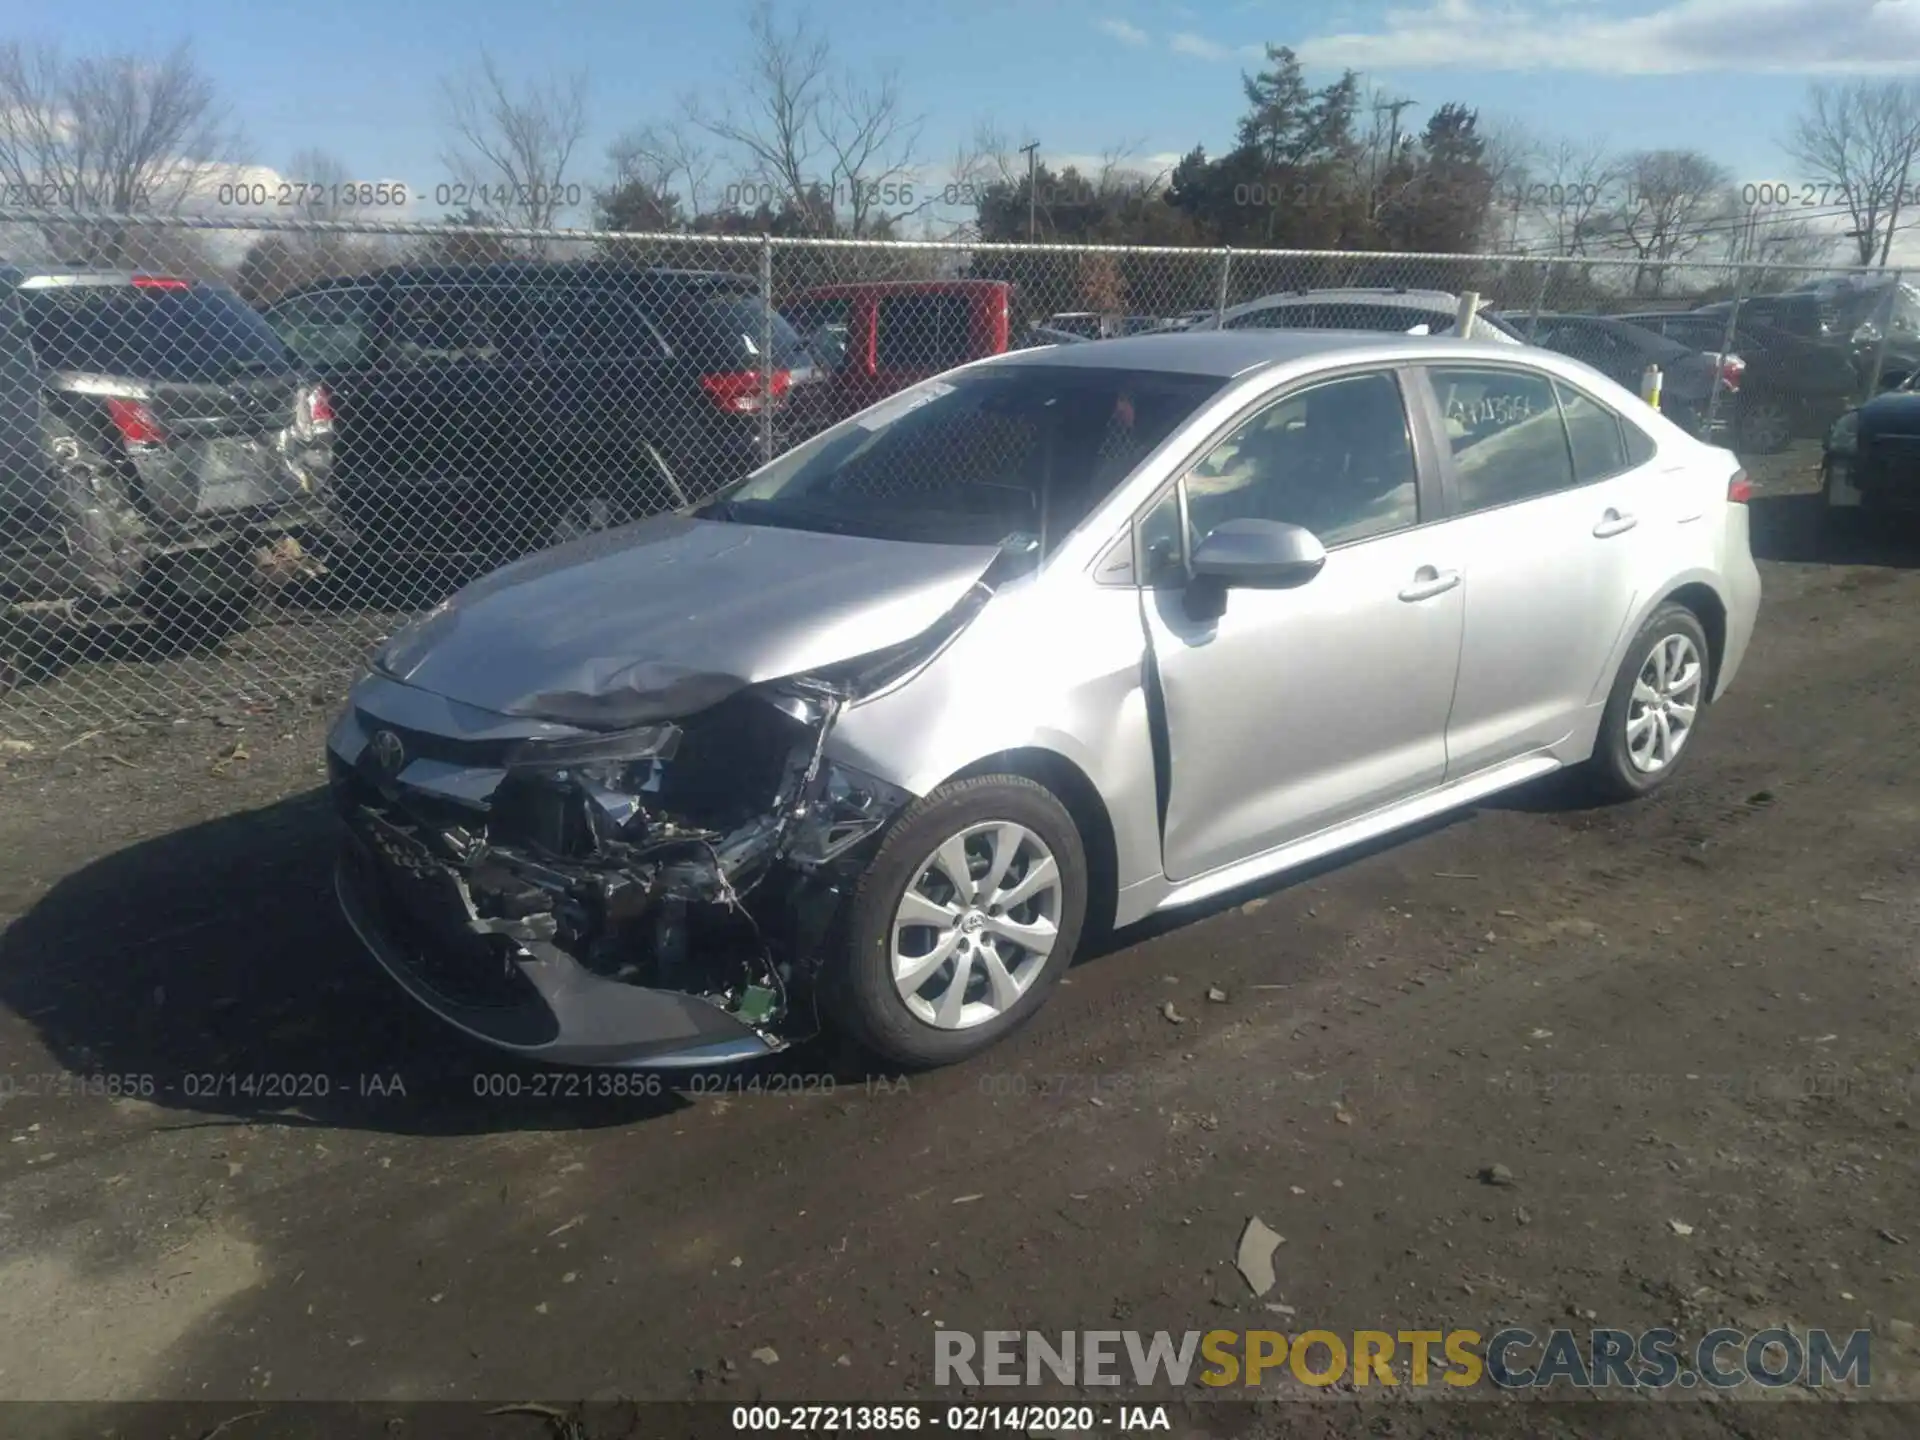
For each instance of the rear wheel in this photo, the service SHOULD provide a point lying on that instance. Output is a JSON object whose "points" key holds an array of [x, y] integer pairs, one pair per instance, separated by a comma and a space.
{"points": [[201, 599], [639, 483], [963, 924], [1655, 705]]}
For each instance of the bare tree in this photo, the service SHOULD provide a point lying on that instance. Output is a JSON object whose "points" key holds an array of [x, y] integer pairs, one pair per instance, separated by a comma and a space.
{"points": [[107, 134], [1673, 202], [514, 146], [1572, 191], [668, 159], [1859, 143], [815, 140]]}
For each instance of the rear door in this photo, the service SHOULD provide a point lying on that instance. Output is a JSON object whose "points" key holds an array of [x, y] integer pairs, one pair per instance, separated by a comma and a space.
{"points": [[598, 369], [1546, 510], [456, 414]]}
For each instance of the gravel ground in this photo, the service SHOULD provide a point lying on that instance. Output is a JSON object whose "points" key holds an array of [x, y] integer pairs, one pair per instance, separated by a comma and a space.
{"points": [[1685, 1028]]}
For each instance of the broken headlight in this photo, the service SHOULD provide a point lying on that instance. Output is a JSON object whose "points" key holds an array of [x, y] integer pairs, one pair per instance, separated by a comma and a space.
{"points": [[573, 796]]}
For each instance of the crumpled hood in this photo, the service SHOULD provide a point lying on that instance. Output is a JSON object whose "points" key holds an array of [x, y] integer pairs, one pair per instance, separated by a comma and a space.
{"points": [[666, 617]]}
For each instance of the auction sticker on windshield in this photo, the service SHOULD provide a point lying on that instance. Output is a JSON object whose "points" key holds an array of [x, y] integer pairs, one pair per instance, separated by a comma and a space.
{"points": [[888, 411]]}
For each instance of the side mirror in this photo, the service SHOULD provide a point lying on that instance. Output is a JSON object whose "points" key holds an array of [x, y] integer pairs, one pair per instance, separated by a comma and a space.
{"points": [[1258, 555]]}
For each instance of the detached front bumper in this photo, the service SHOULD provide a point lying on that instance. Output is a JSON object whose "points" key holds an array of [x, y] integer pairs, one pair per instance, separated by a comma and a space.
{"points": [[545, 1007]]}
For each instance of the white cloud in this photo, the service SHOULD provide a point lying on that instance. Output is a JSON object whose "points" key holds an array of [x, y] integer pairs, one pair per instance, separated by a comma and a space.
{"points": [[1123, 32], [1198, 46], [1809, 37]]}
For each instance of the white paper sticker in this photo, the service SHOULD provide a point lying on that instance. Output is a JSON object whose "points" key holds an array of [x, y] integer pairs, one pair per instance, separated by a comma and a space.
{"points": [[891, 409]]}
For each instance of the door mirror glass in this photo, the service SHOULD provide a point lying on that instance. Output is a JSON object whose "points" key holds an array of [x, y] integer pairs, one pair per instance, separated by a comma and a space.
{"points": [[1258, 555]]}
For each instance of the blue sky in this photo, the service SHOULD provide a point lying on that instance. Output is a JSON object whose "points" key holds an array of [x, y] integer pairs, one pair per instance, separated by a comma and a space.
{"points": [[358, 78]]}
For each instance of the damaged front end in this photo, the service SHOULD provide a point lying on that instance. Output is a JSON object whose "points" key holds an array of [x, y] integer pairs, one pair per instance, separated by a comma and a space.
{"points": [[661, 895]]}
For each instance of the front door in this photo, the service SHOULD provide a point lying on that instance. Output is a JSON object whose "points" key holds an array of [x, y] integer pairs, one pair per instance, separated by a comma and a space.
{"points": [[1295, 710]]}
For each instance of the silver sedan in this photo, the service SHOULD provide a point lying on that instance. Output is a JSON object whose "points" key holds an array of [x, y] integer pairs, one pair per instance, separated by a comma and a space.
{"points": [[1064, 638]]}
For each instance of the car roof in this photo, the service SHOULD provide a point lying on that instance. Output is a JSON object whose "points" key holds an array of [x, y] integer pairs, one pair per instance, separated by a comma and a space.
{"points": [[1227, 353], [1353, 292], [513, 272], [902, 287], [19, 275]]}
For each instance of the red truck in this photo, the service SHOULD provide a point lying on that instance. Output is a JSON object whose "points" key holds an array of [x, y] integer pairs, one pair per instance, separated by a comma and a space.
{"points": [[871, 338]]}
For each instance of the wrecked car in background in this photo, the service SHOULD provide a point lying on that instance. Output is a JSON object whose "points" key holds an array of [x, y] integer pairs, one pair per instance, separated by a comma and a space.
{"points": [[1067, 635]]}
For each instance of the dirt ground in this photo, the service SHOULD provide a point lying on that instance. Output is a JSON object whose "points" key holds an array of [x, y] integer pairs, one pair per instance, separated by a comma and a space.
{"points": [[1686, 1027]]}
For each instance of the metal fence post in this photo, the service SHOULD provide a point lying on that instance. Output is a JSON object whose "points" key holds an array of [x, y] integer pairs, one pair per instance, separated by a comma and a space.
{"points": [[766, 348], [1469, 311], [1220, 292], [1880, 350], [1539, 299], [1726, 346]]}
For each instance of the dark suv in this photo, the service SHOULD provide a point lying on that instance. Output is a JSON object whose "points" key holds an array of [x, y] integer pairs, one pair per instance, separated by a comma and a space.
{"points": [[500, 408], [1809, 353], [159, 449]]}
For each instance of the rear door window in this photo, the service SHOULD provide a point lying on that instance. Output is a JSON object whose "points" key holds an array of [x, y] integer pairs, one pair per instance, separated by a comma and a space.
{"points": [[444, 325], [565, 322], [922, 332], [196, 333], [1505, 435], [328, 329], [731, 330]]}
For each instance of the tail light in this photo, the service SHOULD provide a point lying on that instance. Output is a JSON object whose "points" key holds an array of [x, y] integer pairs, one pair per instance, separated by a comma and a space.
{"points": [[314, 414], [135, 422], [1732, 370], [160, 282], [1739, 488], [740, 391]]}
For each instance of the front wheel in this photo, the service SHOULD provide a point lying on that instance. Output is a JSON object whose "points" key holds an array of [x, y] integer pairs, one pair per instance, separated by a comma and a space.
{"points": [[962, 925], [1654, 707]]}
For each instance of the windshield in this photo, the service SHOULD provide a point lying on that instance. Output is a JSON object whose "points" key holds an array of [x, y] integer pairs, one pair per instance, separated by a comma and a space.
{"points": [[198, 334], [1011, 455]]}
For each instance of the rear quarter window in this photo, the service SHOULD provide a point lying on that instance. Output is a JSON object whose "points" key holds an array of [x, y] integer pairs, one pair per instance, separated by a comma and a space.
{"points": [[728, 331]]}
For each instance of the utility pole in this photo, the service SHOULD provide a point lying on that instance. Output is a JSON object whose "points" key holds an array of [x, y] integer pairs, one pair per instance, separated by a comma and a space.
{"points": [[1394, 107], [1032, 152], [1393, 134]]}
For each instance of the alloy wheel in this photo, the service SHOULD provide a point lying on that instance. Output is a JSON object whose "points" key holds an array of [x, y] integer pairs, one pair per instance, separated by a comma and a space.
{"points": [[1666, 698], [976, 924]]}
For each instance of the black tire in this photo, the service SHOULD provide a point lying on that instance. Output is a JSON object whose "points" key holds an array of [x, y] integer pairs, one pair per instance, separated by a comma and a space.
{"points": [[857, 986], [1611, 771], [190, 618], [611, 493], [193, 624]]}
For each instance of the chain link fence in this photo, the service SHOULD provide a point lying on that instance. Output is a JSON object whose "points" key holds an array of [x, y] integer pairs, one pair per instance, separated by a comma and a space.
{"points": [[234, 455]]}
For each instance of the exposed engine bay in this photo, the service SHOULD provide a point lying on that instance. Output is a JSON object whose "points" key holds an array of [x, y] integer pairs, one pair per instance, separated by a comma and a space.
{"points": [[705, 855]]}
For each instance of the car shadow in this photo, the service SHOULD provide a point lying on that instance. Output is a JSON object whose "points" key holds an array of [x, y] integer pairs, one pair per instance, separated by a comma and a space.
{"points": [[208, 971], [1793, 529]]}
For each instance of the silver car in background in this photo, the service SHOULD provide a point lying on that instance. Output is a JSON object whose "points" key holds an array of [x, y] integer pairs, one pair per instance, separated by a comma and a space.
{"points": [[1059, 640]]}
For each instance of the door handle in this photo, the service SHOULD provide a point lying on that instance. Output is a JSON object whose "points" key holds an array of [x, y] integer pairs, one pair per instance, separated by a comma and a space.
{"points": [[1429, 582], [1614, 522]]}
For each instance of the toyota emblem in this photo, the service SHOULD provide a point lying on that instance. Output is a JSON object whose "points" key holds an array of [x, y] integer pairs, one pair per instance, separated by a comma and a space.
{"points": [[388, 753]]}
